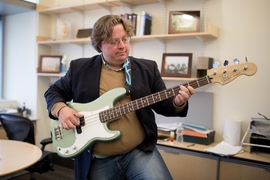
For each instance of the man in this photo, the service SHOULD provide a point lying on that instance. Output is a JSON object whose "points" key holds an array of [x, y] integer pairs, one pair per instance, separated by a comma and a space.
{"points": [[134, 154]]}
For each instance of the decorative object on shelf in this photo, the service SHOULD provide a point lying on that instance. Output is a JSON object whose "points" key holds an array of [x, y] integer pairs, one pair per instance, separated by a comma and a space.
{"points": [[184, 22], [63, 64], [50, 64], [84, 33], [176, 65], [62, 29]]}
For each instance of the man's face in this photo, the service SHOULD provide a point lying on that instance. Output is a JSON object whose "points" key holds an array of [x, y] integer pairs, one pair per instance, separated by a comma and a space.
{"points": [[116, 50]]}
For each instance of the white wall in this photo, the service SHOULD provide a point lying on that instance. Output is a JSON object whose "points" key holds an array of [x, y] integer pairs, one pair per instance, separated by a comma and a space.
{"points": [[20, 80], [244, 31]]}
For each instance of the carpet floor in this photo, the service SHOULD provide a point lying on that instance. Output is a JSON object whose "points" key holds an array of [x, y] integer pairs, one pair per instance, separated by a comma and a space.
{"points": [[59, 173]]}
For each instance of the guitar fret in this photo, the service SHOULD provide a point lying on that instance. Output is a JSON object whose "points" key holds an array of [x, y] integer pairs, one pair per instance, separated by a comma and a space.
{"points": [[166, 94], [198, 82], [208, 80], [130, 107], [137, 105]]}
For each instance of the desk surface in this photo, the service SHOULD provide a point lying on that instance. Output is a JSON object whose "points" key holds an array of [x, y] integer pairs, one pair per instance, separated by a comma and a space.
{"points": [[201, 148], [16, 156]]}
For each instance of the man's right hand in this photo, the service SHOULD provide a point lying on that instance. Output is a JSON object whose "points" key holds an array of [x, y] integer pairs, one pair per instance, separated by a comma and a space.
{"points": [[67, 117]]}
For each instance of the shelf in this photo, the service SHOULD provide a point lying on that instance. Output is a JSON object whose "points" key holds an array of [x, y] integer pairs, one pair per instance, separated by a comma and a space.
{"points": [[102, 4], [51, 74], [212, 32], [164, 78]]}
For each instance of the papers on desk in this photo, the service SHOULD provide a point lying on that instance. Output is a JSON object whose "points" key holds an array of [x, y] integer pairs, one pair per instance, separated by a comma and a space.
{"points": [[167, 126], [193, 127], [8, 111], [225, 149]]}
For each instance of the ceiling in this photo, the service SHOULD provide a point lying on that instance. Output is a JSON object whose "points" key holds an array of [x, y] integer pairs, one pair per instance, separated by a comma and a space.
{"points": [[8, 7]]}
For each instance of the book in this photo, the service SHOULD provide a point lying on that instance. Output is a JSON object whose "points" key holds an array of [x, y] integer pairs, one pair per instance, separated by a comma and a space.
{"points": [[134, 23], [132, 17], [146, 24], [138, 26]]}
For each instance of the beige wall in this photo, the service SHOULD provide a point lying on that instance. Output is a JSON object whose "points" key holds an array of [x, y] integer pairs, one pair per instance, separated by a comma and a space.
{"points": [[244, 31]]}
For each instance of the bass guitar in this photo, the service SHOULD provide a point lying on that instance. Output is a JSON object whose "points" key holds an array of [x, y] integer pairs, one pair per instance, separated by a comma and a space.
{"points": [[97, 114]]}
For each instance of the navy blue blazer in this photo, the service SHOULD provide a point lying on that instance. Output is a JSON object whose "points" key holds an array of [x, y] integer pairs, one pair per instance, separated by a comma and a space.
{"points": [[81, 84]]}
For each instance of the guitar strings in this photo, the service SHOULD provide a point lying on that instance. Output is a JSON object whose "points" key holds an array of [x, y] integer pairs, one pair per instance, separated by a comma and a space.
{"points": [[115, 112]]}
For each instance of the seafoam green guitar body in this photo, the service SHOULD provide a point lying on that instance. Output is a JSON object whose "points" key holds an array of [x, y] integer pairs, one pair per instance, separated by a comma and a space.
{"points": [[70, 143]]}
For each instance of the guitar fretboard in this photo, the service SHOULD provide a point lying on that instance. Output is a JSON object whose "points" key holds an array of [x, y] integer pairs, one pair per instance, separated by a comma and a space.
{"points": [[116, 112]]}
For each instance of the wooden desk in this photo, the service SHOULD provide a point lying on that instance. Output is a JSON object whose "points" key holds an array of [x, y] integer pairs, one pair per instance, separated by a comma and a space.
{"points": [[16, 156], [193, 162]]}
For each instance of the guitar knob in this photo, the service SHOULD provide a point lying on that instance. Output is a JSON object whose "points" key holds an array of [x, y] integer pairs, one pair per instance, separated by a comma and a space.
{"points": [[236, 61], [216, 64], [226, 63]]}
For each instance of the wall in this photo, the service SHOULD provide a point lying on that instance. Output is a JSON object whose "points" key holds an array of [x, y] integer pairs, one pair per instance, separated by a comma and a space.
{"points": [[20, 59], [244, 31]]}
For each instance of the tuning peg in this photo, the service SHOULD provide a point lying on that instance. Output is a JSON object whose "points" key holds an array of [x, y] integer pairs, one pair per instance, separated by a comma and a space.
{"points": [[216, 64], [236, 61], [226, 62]]}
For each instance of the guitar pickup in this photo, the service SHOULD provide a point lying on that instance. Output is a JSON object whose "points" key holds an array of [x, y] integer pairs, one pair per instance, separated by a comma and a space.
{"points": [[82, 123], [58, 133]]}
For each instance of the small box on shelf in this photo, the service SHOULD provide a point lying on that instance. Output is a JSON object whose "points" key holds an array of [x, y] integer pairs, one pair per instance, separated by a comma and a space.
{"points": [[203, 64]]}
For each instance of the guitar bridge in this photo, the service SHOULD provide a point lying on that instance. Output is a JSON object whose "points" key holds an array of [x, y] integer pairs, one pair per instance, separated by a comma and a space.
{"points": [[58, 133]]}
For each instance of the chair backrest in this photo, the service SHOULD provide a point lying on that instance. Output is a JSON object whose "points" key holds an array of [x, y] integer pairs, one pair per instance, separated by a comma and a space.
{"points": [[18, 128]]}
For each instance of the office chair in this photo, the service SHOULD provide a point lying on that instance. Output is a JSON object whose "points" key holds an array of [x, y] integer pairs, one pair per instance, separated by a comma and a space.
{"points": [[22, 129]]}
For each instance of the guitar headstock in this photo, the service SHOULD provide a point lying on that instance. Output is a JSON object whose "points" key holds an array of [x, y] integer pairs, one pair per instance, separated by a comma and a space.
{"points": [[226, 74]]}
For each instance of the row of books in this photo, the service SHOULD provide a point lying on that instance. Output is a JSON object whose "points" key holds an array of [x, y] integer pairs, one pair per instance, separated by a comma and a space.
{"points": [[142, 22]]}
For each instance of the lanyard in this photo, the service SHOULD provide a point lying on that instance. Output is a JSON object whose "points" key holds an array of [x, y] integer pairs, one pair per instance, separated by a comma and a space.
{"points": [[126, 66]]}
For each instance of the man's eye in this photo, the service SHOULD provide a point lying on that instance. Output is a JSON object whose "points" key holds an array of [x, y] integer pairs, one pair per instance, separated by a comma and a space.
{"points": [[114, 42]]}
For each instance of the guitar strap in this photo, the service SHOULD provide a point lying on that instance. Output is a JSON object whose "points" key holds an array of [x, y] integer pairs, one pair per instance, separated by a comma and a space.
{"points": [[127, 67]]}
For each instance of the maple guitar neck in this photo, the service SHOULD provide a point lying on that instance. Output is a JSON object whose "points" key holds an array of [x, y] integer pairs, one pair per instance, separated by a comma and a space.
{"points": [[116, 112]]}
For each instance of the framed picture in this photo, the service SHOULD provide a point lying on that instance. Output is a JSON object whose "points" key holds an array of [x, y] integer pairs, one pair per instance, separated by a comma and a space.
{"points": [[176, 65], [50, 64], [184, 22]]}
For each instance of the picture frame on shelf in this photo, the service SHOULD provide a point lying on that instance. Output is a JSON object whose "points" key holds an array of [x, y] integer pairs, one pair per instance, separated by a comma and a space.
{"points": [[176, 65], [84, 33], [50, 64], [184, 22]]}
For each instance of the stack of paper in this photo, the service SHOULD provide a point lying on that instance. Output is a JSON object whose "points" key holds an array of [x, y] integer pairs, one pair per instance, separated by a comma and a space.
{"points": [[167, 126], [225, 149]]}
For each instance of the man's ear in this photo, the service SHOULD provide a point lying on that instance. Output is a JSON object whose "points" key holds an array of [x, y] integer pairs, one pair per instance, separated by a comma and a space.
{"points": [[100, 47]]}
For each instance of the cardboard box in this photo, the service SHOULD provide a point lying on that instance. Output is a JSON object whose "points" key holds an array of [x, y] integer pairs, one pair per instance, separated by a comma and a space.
{"points": [[205, 63]]}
